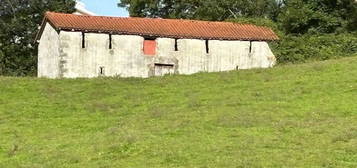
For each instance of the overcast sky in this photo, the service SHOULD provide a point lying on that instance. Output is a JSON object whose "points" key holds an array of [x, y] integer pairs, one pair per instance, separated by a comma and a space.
{"points": [[105, 7]]}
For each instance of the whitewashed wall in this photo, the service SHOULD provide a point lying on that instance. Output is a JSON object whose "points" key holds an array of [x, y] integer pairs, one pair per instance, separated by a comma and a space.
{"points": [[126, 58], [48, 53]]}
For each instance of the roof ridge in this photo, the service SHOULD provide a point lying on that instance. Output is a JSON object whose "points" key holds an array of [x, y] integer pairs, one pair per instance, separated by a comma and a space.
{"points": [[169, 28], [158, 19]]}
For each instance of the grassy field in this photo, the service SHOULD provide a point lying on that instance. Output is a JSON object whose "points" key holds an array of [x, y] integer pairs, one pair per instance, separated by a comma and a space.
{"points": [[290, 116]]}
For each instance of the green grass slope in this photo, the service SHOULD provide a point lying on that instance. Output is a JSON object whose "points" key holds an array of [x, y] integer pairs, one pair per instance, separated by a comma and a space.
{"points": [[290, 116]]}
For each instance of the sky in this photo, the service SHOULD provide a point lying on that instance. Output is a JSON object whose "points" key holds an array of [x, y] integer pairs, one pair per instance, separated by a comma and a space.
{"points": [[105, 7]]}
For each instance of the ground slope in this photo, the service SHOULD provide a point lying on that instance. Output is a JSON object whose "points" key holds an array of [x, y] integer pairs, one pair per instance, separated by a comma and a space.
{"points": [[290, 116]]}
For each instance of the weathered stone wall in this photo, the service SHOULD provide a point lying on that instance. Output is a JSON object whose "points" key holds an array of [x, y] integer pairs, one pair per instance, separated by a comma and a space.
{"points": [[48, 53], [126, 58]]}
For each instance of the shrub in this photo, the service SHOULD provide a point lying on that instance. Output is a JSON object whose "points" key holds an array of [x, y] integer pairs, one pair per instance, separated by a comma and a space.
{"points": [[298, 49], [307, 47]]}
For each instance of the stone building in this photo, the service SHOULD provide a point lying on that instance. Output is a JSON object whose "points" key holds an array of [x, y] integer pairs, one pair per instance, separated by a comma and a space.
{"points": [[74, 46]]}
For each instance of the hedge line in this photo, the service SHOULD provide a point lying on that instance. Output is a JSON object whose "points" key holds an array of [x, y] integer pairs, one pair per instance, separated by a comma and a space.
{"points": [[298, 49]]}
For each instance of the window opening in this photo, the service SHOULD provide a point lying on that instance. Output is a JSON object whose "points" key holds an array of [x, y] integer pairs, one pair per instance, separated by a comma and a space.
{"points": [[164, 69], [110, 42], [101, 71], [176, 45], [165, 65], [250, 46], [83, 40], [207, 46]]}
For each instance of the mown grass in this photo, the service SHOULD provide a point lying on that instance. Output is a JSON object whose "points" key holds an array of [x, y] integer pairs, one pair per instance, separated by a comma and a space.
{"points": [[290, 116]]}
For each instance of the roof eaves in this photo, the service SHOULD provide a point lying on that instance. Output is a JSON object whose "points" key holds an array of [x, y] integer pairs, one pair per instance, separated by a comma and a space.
{"points": [[40, 31], [43, 26], [165, 36]]}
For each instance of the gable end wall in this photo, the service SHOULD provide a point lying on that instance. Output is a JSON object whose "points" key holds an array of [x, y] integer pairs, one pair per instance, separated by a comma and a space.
{"points": [[48, 53]]}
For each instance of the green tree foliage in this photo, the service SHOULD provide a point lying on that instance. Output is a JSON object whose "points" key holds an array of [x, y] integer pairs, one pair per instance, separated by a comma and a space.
{"points": [[202, 9], [19, 22], [318, 16], [293, 16]]}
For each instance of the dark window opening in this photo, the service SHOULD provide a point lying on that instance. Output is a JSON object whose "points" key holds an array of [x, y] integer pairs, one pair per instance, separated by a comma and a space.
{"points": [[150, 38], [207, 46], [165, 65], [83, 40], [101, 71], [110, 42], [176, 45], [149, 46], [250, 47]]}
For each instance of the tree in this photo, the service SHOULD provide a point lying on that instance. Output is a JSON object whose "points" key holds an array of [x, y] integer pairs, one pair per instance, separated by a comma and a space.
{"points": [[318, 16], [293, 16], [19, 22], [202, 9]]}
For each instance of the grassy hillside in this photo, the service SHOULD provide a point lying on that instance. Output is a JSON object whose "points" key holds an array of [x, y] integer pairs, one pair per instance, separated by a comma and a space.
{"points": [[290, 116]]}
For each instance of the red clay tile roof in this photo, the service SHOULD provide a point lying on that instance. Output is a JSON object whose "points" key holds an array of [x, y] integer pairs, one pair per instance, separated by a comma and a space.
{"points": [[170, 28]]}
